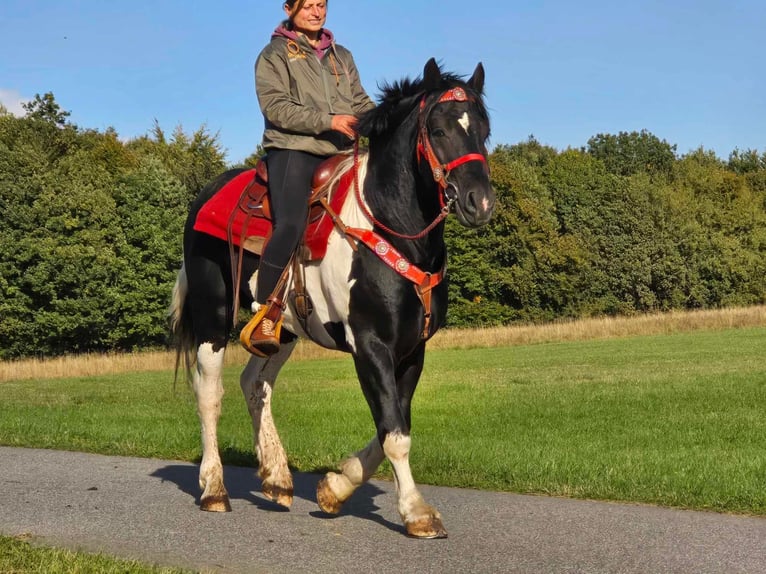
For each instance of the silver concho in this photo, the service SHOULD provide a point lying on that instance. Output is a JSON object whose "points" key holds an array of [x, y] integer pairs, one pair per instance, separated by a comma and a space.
{"points": [[459, 95], [438, 173], [381, 248], [402, 265]]}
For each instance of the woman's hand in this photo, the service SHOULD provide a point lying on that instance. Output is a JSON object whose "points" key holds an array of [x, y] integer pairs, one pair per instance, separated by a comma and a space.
{"points": [[344, 124]]}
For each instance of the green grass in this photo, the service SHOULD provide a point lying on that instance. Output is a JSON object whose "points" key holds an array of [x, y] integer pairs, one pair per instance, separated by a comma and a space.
{"points": [[20, 557], [676, 420]]}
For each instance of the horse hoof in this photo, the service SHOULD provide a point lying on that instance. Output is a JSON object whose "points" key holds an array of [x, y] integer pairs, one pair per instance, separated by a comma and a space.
{"points": [[326, 498], [215, 504], [282, 496], [426, 528]]}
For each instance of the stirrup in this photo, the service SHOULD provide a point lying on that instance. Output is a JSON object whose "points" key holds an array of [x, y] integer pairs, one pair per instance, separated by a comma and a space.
{"points": [[245, 336]]}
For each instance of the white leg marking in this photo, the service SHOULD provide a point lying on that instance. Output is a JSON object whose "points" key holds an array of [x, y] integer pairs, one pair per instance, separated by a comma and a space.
{"points": [[334, 489], [208, 387], [356, 470], [421, 519], [397, 449], [465, 122]]}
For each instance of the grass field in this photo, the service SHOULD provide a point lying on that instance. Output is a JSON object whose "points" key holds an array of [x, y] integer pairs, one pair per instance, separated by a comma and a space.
{"points": [[19, 556], [598, 328], [675, 420]]}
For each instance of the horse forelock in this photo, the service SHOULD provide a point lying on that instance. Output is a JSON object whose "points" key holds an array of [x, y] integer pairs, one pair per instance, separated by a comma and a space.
{"points": [[399, 99]]}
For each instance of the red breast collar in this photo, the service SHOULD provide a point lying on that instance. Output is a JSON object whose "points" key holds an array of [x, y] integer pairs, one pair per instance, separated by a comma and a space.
{"points": [[423, 281]]}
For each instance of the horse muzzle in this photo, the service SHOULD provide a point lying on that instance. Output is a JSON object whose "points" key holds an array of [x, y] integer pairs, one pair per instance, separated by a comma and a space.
{"points": [[474, 207]]}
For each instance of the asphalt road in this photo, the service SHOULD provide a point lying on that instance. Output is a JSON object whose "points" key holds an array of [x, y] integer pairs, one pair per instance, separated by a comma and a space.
{"points": [[147, 510]]}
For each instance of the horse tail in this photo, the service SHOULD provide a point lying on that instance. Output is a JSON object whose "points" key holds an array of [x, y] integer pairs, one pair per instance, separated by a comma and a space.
{"points": [[180, 325]]}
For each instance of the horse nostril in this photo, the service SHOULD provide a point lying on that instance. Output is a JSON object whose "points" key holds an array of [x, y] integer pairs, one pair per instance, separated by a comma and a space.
{"points": [[470, 205]]}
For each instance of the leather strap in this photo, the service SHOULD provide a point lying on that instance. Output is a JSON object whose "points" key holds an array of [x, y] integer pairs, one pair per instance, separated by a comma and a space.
{"points": [[235, 252], [423, 281]]}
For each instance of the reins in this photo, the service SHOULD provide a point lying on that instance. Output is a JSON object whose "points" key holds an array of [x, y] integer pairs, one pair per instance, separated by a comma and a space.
{"points": [[446, 207]]}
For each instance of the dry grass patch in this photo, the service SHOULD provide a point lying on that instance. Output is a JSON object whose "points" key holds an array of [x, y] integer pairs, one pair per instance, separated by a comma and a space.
{"points": [[603, 328], [87, 365]]}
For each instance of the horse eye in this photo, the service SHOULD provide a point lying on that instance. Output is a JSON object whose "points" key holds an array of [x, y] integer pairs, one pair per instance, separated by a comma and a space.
{"points": [[438, 133]]}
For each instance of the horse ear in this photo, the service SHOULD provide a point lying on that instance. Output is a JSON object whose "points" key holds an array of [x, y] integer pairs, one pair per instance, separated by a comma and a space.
{"points": [[432, 75], [477, 80]]}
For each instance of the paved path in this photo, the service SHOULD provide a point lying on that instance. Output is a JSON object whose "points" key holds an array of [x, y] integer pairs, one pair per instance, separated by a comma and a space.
{"points": [[146, 509]]}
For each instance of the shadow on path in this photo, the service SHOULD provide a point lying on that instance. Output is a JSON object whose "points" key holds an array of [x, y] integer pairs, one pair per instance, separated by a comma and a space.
{"points": [[242, 483]]}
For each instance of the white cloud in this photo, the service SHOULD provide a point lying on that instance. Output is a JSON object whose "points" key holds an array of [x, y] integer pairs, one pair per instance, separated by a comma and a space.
{"points": [[12, 101]]}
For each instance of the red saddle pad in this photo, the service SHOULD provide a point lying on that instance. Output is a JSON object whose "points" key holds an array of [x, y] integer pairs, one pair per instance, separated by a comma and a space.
{"points": [[213, 218]]}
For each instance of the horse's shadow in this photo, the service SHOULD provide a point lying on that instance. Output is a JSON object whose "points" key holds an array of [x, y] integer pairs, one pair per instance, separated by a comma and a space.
{"points": [[243, 483]]}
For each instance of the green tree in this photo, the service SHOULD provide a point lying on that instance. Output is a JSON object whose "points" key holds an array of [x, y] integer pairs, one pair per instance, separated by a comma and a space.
{"points": [[56, 233], [252, 160], [90, 240], [635, 152], [151, 206], [748, 161], [46, 109], [193, 159]]}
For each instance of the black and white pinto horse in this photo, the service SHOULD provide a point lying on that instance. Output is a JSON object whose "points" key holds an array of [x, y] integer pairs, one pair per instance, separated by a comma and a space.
{"points": [[426, 158]]}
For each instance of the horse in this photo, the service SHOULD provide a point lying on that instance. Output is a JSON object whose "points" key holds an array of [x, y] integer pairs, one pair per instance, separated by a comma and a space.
{"points": [[378, 293]]}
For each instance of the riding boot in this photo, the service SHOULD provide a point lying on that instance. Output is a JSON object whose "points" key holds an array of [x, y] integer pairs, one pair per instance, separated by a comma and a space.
{"points": [[261, 334], [264, 338]]}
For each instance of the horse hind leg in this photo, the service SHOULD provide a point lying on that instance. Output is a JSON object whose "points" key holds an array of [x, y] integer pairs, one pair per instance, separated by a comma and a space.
{"points": [[257, 383], [208, 388]]}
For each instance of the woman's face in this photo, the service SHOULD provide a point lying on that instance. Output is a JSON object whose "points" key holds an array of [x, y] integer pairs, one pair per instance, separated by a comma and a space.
{"points": [[311, 18]]}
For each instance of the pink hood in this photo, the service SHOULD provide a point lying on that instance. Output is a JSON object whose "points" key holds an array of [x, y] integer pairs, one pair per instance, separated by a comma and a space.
{"points": [[326, 38]]}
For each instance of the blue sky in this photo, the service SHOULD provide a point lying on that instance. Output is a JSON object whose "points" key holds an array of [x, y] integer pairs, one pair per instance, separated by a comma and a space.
{"points": [[690, 72]]}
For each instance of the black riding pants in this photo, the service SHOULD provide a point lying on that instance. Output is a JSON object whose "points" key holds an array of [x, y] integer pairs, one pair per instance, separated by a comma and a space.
{"points": [[290, 174]]}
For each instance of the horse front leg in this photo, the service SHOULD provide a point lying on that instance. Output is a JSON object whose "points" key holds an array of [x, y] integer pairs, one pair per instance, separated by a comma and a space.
{"points": [[389, 393], [208, 388], [420, 518], [336, 488], [257, 383]]}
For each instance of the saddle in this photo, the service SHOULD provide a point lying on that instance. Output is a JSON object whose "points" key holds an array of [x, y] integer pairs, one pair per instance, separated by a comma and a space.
{"points": [[240, 214]]}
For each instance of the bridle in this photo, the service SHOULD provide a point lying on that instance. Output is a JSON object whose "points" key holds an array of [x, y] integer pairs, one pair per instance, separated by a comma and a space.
{"points": [[439, 170]]}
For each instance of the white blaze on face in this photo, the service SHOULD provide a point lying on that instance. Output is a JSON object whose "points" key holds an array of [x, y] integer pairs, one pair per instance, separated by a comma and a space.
{"points": [[464, 122]]}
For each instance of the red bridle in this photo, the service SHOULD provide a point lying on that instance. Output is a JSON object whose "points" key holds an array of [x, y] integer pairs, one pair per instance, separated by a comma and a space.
{"points": [[425, 149]]}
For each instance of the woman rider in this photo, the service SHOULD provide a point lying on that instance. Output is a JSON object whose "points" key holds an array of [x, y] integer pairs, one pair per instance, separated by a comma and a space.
{"points": [[310, 94]]}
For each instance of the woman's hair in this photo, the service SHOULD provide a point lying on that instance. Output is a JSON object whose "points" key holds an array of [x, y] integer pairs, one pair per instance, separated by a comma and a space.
{"points": [[295, 6]]}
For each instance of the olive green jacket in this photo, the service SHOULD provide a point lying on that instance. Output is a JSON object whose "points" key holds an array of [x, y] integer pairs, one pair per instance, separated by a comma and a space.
{"points": [[298, 94]]}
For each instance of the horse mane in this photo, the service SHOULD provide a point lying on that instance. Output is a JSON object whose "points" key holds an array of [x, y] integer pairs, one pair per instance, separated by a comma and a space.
{"points": [[397, 100]]}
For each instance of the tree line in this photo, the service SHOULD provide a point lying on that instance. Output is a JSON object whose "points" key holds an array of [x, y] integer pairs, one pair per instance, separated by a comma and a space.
{"points": [[91, 229]]}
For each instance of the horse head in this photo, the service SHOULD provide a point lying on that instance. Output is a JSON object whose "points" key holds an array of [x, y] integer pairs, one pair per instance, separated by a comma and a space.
{"points": [[452, 135]]}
